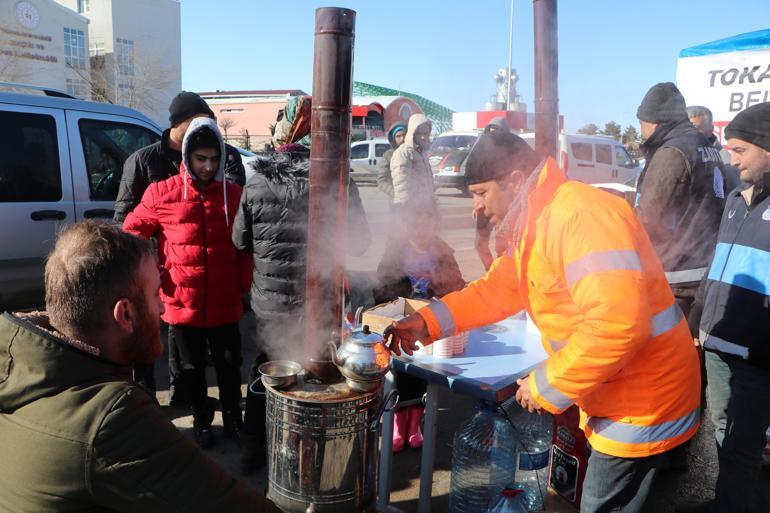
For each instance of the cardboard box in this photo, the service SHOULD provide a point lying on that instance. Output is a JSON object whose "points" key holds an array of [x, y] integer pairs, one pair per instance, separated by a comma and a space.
{"points": [[381, 316]]}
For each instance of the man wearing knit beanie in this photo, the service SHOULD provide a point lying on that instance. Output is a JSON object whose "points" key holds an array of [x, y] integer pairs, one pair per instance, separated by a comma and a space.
{"points": [[734, 328], [579, 261], [157, 162], [680, 191]]}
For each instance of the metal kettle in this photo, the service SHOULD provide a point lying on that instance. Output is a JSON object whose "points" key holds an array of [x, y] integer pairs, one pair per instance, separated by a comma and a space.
{"points": [[362, 358]]}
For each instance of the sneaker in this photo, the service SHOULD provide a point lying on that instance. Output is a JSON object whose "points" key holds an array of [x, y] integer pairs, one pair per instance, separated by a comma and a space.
{"points": [[204, 437], [232, 423]]}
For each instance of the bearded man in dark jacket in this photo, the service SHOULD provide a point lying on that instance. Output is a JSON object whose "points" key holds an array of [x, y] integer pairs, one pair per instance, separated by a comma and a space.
{"points": [[272, 225], [681, 190], [155, 163]]}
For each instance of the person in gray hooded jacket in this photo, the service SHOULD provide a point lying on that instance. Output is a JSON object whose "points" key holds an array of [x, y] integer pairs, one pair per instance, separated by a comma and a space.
{"points": [[411, 171]]}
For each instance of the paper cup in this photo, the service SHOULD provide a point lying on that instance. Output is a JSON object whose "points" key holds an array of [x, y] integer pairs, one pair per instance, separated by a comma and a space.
{"points": [[443, 348]]}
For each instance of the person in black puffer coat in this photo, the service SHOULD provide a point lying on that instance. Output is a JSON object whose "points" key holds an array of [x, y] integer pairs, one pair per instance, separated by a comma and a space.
{"points": [[272, 225]]}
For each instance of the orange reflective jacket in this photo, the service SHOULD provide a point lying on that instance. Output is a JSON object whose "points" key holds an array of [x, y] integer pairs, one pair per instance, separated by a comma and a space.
{"points": [[619, 346]]}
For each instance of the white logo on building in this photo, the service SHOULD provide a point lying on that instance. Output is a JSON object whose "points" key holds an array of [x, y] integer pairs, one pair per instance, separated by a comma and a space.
{"points": [[27, 15]]}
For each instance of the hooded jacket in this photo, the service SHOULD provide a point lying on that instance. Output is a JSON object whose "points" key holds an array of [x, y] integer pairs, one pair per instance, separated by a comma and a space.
{"points": [[618, 346], [384, 178], [205, 274], [681, 198], [411, 171], [157, 162], [271, 224], [76, 436]]}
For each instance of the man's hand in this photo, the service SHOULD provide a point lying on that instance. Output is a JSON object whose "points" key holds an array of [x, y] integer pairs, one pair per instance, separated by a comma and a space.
{"points": [[524, 397], [405, 333]]}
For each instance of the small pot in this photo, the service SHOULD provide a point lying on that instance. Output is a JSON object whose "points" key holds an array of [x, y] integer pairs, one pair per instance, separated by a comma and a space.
{"points": [[280, 373]]}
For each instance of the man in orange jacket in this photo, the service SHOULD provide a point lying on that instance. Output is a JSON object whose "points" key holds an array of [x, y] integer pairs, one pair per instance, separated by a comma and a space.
{"points": [[582, 265]]}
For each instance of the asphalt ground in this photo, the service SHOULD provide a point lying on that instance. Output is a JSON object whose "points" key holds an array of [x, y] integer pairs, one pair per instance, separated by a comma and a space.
{"points": [[672, 490]]}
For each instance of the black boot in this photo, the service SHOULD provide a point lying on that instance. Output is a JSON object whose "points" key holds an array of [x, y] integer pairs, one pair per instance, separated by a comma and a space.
{"points": [[232, 423], [254, 454], [202, 420]]}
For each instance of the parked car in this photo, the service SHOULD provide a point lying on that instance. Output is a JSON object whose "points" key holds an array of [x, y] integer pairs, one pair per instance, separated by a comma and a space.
{"points": [[447, 157], [594, 159], [61, 162], [364, 158], [247, 157], [591, 159]]}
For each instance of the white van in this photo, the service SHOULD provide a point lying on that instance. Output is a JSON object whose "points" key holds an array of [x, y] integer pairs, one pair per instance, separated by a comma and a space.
{"points": [[365, 157], [61, 162], [594, 159]]}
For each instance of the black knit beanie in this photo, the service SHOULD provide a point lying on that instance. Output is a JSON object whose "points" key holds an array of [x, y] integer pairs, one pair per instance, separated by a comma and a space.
{"points": [[752, 125], [496, 154], [663, 103], [186, 105]]}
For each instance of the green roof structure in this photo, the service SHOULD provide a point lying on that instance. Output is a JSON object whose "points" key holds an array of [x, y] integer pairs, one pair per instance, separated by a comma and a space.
{"points": [[440, 116]]}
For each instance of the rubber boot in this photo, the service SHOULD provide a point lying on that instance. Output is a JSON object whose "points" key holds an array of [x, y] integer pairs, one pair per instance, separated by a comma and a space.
{"points": [[413, 426], [399, 429]]}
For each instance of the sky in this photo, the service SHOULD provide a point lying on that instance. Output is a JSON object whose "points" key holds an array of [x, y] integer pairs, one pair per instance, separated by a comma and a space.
{"points": [[610, 52]]}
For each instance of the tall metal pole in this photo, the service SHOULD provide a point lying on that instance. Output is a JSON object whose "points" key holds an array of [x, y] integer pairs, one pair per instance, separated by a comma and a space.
{"points": [[329, 178], [510, 61], [546, 78]]}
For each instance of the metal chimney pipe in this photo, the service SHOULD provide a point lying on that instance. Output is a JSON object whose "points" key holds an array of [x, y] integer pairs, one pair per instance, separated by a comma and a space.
{"points": [[546, 78], [329, 176]]}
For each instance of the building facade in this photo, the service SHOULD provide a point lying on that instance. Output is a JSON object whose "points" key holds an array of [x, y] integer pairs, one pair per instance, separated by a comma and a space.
{"points": [[135, 52], [43, 43]]}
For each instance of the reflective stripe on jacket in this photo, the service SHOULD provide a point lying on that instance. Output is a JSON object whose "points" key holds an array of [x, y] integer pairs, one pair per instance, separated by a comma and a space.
{"points": [[618, 344]]}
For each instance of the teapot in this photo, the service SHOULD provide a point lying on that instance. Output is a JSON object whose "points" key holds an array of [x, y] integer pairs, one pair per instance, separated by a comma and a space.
{"points": [[362, 358]]}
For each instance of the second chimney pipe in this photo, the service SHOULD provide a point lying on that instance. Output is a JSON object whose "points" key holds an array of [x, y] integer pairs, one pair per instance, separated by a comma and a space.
{"points": [[546, 78]]}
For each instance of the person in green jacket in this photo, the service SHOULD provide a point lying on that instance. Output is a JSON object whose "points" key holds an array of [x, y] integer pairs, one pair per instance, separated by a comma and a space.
{"points": [[75, 433]]}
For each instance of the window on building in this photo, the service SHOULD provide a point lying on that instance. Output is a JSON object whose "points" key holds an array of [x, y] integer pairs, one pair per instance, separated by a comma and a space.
{"points": [[74, 48], [29, 162], [125, 92], [124, 53], [77, 87], [604, 154], [106, 145], [84, 7]]}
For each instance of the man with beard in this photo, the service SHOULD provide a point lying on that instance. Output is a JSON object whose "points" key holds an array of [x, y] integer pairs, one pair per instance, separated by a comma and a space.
{"points": [[75, 433], [396, 136], [580, 263]]}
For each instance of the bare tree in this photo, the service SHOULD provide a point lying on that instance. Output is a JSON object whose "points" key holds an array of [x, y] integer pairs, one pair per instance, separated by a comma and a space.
{"points": [[245, 138], [139, 86], [226, 124]]}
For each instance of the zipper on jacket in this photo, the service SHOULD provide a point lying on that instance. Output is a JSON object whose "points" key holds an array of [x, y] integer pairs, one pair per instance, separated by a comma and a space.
{"points": [[727, 259], [205, 261]]}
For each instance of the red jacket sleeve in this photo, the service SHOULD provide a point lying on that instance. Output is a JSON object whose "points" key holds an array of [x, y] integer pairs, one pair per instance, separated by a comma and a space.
{"points": [[144, 220]]}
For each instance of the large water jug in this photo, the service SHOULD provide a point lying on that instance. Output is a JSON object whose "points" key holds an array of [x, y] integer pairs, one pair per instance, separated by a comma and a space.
{"points": [[534, 432], [484, 459]]}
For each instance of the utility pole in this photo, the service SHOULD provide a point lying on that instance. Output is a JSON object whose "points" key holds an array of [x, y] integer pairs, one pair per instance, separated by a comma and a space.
{"points": [[546, 78], [510, 61]]}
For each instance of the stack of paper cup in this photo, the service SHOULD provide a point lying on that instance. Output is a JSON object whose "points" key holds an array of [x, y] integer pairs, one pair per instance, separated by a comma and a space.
{"points": [[443, 348], [460, 342]]}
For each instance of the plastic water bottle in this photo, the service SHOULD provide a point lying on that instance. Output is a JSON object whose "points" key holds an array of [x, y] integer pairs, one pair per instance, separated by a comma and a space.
{"points": [[534, 432], [510, 502], [484, 460]]}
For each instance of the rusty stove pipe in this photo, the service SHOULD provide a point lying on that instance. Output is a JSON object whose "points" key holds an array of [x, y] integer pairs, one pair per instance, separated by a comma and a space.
{"points": [[329, 175], [546, 78]]}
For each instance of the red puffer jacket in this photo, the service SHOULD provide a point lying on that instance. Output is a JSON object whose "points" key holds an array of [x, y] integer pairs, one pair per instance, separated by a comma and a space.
{"points": [[206, 275]]}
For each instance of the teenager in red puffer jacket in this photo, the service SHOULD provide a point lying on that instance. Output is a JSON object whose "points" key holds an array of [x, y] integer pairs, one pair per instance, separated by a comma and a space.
{"points": [[205, 275]]}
